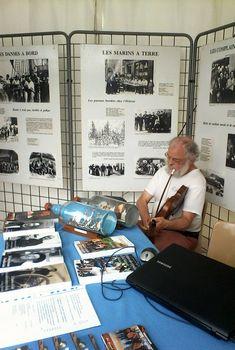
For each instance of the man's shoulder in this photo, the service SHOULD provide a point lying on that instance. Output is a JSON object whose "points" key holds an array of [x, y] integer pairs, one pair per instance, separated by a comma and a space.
{"points": [[196, 177]]}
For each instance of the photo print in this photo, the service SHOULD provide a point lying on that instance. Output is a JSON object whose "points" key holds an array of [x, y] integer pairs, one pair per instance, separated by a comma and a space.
{"points": [[214, 183], [37, 276], [157, 121], [222, 86], [107, 169], [24, 80], [9, 163], [148, 166], [230, 154], [129, 76], [8, 129], [106, 133], [33, 256], [42, 164]]}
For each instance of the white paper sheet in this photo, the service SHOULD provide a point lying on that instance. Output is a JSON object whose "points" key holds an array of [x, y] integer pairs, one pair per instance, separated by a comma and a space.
{"points": [[45, 315]]}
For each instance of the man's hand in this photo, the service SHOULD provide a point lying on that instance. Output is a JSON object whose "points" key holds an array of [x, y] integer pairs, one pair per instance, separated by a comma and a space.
{"points": [[161, 223]]}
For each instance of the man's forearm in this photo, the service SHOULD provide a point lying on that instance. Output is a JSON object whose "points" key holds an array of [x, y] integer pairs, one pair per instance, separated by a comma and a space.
{"points": [[144, 214], [178, 224]]}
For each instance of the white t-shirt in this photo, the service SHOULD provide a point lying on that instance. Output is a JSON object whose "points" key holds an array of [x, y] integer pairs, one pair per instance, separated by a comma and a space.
{"points": [[194, 199]]}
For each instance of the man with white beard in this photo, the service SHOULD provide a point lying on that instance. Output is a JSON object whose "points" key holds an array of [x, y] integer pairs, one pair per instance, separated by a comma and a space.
{"points": [[183, 225]]}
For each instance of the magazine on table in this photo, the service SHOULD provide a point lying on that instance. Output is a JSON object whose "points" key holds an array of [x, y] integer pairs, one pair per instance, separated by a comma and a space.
{"points": [[23, 259], [32, 226], [49, 277], [133, 337], [31, 215], [104, 246], [105, 268], [27, 240]]}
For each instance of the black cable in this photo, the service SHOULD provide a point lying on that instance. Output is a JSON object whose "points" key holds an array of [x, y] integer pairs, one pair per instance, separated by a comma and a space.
{"points": [[114, 285]]}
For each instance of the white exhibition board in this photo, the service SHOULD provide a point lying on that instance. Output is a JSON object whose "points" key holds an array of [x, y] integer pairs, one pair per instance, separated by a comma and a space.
{"points": [[215, 122], [30, 134], [129, 113]]}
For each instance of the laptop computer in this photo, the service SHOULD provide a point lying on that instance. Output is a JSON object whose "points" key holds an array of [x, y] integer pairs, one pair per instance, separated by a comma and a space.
{"points": [[196, 287]]}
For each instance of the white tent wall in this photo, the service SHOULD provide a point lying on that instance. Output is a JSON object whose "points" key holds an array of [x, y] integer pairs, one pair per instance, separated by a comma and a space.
{"points": [[186, 16]]}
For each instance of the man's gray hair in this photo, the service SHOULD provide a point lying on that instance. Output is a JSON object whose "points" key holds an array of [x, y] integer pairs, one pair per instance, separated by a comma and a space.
{"points": [[191, 148]]}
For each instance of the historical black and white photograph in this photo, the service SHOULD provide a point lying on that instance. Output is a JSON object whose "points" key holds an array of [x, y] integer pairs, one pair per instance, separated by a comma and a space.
{"points": [[42, 164], [214, 183], [18, 259], [24, 80], [230, 154], [153, 121], [222, 89], [148, 166], [8, 129], [107, 169], [30, 240], [106, 133], [9, 162], [37, 276], [129, 76]]}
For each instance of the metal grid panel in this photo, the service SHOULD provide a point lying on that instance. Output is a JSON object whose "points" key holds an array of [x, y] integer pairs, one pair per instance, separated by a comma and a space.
{"points": [[17, 197], [183, 41], [214, 212]]}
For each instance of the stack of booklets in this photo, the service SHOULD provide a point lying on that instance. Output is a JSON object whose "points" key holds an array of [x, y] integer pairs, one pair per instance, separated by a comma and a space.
{"points": [[104, 259], [32, 254]]}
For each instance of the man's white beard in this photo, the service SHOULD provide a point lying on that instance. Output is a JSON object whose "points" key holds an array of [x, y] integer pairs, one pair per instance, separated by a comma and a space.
{"points": [[180, 172]]}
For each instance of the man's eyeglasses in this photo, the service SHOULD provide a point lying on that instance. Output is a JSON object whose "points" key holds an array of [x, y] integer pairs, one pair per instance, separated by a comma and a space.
{"points": [[175, 160]]}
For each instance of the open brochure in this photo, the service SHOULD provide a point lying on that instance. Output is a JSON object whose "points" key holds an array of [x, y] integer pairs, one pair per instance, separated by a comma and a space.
{"points": [[96, 270], [45, 315], [104, 246]]}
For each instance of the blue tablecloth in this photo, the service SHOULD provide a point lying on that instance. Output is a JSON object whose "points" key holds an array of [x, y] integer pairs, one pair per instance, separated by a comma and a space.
{"points": [[166, 332], [165, 328]]}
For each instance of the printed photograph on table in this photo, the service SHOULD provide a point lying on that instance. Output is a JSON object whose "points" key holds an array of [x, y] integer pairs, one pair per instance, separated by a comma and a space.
{"points": [[108, 268], [130, 338], [105, 246], [68, 341], [23, 241], [19, 260], [49, 275], [32, 226], [31, 215]]}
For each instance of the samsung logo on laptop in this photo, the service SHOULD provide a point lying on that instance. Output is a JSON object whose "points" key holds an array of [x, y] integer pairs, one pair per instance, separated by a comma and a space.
{"points": [[164, 264]]}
